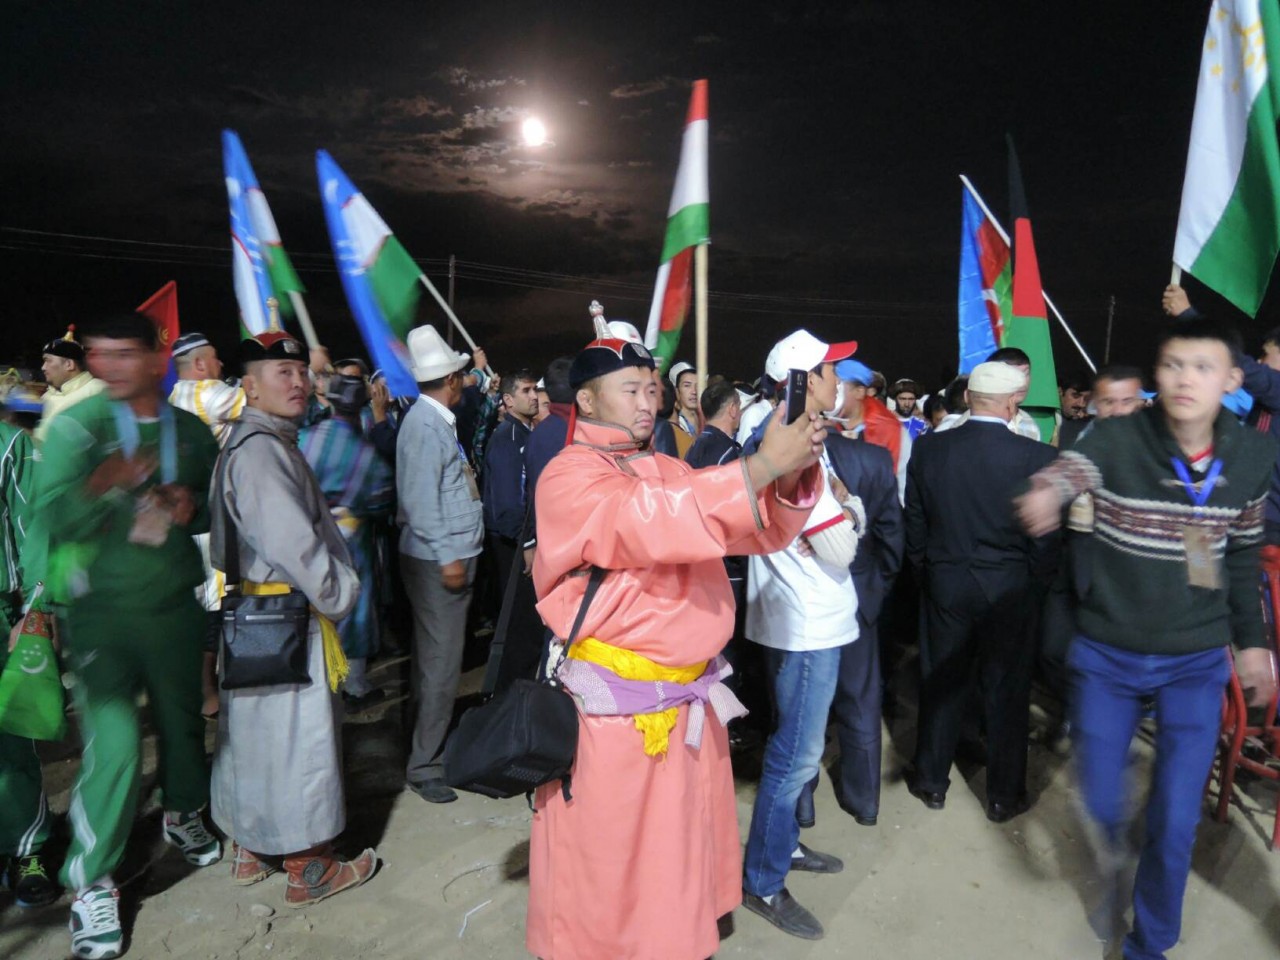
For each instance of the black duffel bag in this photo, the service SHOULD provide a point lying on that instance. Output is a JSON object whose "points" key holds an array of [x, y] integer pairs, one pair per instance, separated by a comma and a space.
{"points": [[264, 636], [525, 736]]}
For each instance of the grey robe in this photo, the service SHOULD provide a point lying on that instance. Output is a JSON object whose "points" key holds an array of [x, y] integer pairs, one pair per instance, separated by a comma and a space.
{"points": [[277, 765]]}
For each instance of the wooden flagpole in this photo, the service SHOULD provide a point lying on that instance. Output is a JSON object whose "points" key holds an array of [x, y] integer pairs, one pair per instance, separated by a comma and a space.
{"points": [[700, 313], [304, 319], [444, 305], [1048, 302]]}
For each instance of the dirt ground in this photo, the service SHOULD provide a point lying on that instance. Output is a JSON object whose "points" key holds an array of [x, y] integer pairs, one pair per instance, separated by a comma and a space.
{"points": [[920, 885]]}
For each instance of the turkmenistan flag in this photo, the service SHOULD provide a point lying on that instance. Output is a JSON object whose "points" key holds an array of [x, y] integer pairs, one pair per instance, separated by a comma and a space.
{"points": [[381, 280], [1029, 330], [688, 224], [985, 298], [260, 267], [1229, 223]]}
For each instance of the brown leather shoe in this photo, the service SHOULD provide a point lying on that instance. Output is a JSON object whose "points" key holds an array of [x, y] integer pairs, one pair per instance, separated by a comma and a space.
{"points": [[315, 875], [247, 867]]}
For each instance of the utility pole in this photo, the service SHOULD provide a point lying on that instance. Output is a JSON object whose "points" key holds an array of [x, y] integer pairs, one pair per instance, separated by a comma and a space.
{"points": [[452, 263], [1111, 316]]}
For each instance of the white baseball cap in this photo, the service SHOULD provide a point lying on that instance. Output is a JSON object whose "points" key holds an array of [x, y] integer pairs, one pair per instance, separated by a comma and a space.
{"points": [[803, 351]]}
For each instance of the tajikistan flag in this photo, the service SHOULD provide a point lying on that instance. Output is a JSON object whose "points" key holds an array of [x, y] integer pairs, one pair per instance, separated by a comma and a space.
{"points": [[688, 224], [1229, 224], [260, 268], [381, 281]]}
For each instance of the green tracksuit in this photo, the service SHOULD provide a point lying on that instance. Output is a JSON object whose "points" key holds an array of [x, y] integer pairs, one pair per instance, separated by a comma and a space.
{"points": [[129, 621], [24, 814]]}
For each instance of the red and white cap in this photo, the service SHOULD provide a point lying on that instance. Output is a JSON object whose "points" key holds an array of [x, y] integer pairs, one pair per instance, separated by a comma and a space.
{"points": [[803, 351]]}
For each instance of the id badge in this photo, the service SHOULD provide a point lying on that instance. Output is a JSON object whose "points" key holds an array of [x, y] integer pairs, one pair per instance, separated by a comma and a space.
{"points": [[471, 481], [151, 522], [1202, 567]]}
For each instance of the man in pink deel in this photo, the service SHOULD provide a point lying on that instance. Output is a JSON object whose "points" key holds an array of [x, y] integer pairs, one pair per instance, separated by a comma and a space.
{"points": [[644, 856]]}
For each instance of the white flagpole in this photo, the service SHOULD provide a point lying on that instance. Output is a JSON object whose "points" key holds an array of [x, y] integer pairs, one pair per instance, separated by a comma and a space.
{"points": [[444, 305], [1048, 302]]}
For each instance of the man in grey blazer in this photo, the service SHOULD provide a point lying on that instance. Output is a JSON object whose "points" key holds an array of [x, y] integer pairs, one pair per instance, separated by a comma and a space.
{"points": [[441, 534]]}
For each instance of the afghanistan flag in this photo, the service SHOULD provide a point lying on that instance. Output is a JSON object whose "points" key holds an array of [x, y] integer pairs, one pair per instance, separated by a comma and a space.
{"points": [[986, 284], [688, 224], [1229, 222], [381, 280], [260, 267]]}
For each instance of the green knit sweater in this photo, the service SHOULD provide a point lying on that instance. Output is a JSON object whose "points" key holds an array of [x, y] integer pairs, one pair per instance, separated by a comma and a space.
{"points": [[1136, 594]]}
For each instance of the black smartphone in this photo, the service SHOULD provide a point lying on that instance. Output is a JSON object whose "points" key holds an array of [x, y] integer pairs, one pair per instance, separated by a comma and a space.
{"points": [[794, 394]]}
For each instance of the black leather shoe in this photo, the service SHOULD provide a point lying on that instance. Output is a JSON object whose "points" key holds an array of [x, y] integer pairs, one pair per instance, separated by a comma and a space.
{"points": [[434, 790], [811, 861], [785, 914], [998, 812], [864, 821], [934, 801]]}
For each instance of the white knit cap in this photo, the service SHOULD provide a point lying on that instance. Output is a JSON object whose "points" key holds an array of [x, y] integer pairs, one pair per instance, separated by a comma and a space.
{"points": [[996, 379]]}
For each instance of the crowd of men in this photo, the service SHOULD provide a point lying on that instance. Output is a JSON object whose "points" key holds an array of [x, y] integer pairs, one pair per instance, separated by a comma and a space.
{"points": [[742, 568]]}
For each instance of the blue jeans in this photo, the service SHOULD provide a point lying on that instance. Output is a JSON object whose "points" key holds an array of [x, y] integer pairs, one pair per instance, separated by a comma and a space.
{"points": [[1108, 686], [804, 685]]}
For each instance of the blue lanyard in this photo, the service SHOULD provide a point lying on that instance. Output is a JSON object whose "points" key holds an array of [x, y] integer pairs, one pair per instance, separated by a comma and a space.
{"points": [[1206, 486], [131, 439]]}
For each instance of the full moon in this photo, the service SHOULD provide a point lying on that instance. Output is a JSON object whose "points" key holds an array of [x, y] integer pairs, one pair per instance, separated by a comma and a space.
{"points": [[534, 132]]}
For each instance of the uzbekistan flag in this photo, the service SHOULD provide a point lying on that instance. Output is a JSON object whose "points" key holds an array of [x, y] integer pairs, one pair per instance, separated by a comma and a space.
{"points": [[1029, 330], [986, 285], [1229, 222], [688, 224], [260, 267], [381, 280]]}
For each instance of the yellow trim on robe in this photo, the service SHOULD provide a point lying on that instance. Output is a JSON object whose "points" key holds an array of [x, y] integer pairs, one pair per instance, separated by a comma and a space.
{"points": [[630, 665], [335, 661]]}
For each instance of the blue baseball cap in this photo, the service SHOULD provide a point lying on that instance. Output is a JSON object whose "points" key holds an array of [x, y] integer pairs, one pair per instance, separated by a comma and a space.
{"points": [[854, 371]]}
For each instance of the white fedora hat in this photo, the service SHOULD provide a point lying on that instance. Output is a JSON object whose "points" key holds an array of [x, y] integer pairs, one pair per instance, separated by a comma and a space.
{"points": [[432, 357]]}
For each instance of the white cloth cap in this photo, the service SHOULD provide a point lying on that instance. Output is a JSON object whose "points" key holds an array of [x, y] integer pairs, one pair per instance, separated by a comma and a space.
{"points": [[432, 357], [625, 331], [677, 369], [997, 379]]}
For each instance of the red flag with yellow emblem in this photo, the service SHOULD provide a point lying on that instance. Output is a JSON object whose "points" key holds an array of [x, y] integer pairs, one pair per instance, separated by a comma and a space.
{"points": [[162, 310]]}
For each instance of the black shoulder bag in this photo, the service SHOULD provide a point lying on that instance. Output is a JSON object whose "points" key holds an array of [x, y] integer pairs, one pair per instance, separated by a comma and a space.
{"points": [[264, 638], [525, 736]]}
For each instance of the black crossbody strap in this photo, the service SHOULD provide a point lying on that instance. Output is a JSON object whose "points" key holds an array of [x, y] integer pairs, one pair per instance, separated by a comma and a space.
{"points": [[499, 643], [230, 545], [597, 574]]}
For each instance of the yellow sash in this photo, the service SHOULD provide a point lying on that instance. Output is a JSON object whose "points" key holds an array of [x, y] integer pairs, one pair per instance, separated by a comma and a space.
{"points": [[335, 661], [629, 665]]}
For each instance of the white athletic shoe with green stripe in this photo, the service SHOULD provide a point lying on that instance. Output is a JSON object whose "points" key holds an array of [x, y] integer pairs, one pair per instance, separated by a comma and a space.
{"points": [[95, 925], [188, 833]]}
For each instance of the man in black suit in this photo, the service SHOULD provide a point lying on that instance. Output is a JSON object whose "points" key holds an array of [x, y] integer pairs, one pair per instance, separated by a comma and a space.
{"points": [[867, 471], [982, 577]]}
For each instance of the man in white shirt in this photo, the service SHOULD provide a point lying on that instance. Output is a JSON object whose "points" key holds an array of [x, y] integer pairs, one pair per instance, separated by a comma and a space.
{"points": [[802, 608]]}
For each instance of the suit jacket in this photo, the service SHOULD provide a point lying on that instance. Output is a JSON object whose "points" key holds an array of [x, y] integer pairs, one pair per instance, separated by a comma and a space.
{"points": [[439, 515], [867, 470], [960, 489]]}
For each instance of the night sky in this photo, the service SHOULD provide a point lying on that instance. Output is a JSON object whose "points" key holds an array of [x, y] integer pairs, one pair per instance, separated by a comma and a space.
{"points": [[838, 131]]}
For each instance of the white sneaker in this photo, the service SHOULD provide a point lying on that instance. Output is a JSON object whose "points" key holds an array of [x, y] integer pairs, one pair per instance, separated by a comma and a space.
{"points": [[95, 925], [188, 833]]}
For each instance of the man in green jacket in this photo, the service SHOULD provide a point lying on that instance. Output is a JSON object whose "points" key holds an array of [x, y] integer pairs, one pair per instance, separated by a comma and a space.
{"points": [[24, 812], [1178, 493], [123, 485]]}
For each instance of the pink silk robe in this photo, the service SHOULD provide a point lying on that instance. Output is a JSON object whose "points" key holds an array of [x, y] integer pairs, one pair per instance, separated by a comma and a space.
{"points": [[646, 856]]}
